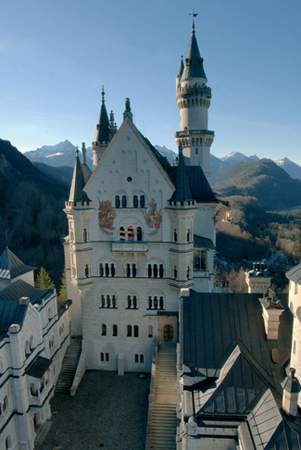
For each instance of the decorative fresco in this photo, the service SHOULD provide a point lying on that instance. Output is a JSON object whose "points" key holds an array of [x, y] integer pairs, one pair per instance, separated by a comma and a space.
{"points": [[106, 216], [152, 215]]}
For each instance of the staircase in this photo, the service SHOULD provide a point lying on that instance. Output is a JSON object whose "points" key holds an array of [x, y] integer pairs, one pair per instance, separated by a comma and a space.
{"points": [[162, 420], [69, 366]]}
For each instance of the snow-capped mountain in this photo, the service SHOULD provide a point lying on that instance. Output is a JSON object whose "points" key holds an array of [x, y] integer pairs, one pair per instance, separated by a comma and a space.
{"points": [[293, 169], [59, 155]]}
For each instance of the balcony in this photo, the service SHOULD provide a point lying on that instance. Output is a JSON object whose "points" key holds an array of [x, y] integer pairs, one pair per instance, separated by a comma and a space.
{"points": [[129, 247]]}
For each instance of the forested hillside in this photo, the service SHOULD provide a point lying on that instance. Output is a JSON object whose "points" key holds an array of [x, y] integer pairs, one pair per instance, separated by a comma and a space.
{"points": [[32, 222]]}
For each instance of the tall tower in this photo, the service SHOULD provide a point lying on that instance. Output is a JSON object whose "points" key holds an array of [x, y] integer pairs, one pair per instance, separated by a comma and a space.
{"points": [[193, 100], [105, 129]]}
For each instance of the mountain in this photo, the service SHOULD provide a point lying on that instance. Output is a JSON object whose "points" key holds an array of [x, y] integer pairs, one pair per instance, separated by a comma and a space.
{"points": [[170, 154], [32, 222], [265, 181], [62, 174], [293, 169], [59, 155]]}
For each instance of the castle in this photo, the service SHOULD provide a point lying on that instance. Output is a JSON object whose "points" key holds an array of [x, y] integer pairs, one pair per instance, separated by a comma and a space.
{"points": [[140, 230]]}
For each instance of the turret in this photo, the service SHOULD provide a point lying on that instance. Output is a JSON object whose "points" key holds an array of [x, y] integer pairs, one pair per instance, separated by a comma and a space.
{"points": [[77, 195], [193, 100], [291, 390], [85, 168], [182, 209], [104, 132]]}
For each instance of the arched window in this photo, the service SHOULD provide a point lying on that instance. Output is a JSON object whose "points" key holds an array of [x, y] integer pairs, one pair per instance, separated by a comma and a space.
{"points": [[101, 271], [136, 331], [113, 301], [86, 271], [150, 331], [135, 201], [161, 305], [107, 270], [103, 301], [131, 234], [188, 235], [175, 272], [150, 302], [117, 201], [203, 260], [103, 329], [85, 235], [115, 330], [128, 270], [107, 357], [149, 270], [139, 234], [136, 358], [112, 270], [129, 302], [134, 270], [129, 330], [108, 301], [155, 271], [155, 302], [124, 201], [134, 302], [102, 356], [121, 234], [175, 236], [188, 273], [161, 271], [142, 201], [141, 359]]}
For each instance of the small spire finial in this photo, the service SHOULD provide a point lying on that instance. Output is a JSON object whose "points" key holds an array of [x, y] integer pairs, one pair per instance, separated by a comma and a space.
{"points": [[194, 16], [127, 111], [77, 151], [103, 94], [84, 152]]}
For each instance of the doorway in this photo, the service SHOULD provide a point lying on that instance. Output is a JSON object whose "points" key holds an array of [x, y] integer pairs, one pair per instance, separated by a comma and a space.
{"points": [[168, 333]]}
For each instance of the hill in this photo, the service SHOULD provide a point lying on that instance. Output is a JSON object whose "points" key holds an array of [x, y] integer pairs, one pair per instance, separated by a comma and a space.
{"points": [[32, 222], [293, 169], [266, 181]]}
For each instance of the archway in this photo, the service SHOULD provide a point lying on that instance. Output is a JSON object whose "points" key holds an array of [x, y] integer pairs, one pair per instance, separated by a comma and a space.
{"points": [[168, 333]]}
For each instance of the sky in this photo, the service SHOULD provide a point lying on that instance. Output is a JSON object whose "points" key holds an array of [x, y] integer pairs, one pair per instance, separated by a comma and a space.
{"points": [[56, 54]]}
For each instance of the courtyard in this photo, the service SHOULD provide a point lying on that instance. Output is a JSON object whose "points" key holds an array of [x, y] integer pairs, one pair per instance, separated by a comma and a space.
{"points": [[108, 412]]}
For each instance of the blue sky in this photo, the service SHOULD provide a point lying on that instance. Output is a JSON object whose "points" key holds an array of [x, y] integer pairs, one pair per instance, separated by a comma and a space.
{"points": [[56, 54]]}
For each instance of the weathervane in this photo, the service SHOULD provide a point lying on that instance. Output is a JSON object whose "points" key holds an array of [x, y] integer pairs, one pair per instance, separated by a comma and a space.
{"points": [[193, 14]]}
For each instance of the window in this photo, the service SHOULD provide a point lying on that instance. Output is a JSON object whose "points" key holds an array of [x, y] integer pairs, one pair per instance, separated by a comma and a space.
{"points": [[112, 270], [161, 303], [142, 201], [135, 201], [155, 302], [149, 270], [155, 271], [197, 261], [101, 271], [8, 443], [150, 302], [86, 271], [115, 330], [175, 236], [107, 357], [188, 235], [139, 234], [121, 234], [188, 273], [196, 151], [124, 201], [107, 270], [131, 270], [128, 270], [161, 271], [131, 302], [134, 271], [108, 301], [103, 329], [203, 260], [136, 331], [136, 358], [85, 235], [131, 234], [102, 356], [139, 358], [175, 272], [150, 331], [129, 330], [117, 201], [5, 404]]}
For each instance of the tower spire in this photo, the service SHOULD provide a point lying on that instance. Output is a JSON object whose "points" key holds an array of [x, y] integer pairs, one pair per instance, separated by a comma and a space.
{"points": [[102, 129]]}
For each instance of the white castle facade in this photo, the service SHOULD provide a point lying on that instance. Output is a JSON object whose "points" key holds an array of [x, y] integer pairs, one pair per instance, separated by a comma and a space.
{"points": [[140, 230], [34, 336]]}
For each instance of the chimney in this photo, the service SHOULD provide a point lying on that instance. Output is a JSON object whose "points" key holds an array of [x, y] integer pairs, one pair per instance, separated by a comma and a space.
{"points": [[271, 312], [291, 389], [258, 278]]}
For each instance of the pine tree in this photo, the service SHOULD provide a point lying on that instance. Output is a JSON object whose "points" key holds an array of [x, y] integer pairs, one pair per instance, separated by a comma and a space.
{"points": [[63, 288], [43, 280]]}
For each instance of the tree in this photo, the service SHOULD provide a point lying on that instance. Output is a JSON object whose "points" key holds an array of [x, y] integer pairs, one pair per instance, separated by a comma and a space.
{"points": [[237, 281], [63, 288], [43, 280]]}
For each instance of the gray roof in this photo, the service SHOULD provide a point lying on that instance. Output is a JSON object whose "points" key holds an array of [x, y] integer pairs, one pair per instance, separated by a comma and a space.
{"points": [[38, 367], [182, 191], [11, 266], [193, 67], [87, 172], [103, 126], [202, 242], [294, 274], [77, 193]]}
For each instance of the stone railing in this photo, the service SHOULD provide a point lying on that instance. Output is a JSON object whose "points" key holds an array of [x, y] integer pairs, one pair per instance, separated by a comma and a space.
{"points": [[151, 394]]}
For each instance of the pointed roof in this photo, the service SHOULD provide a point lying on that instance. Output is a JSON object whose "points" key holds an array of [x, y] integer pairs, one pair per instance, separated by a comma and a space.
{"points": [[77, 194], [181, 68], [182, 192], [103, 126], [193, 67], [85, 168], [11, 266]]}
